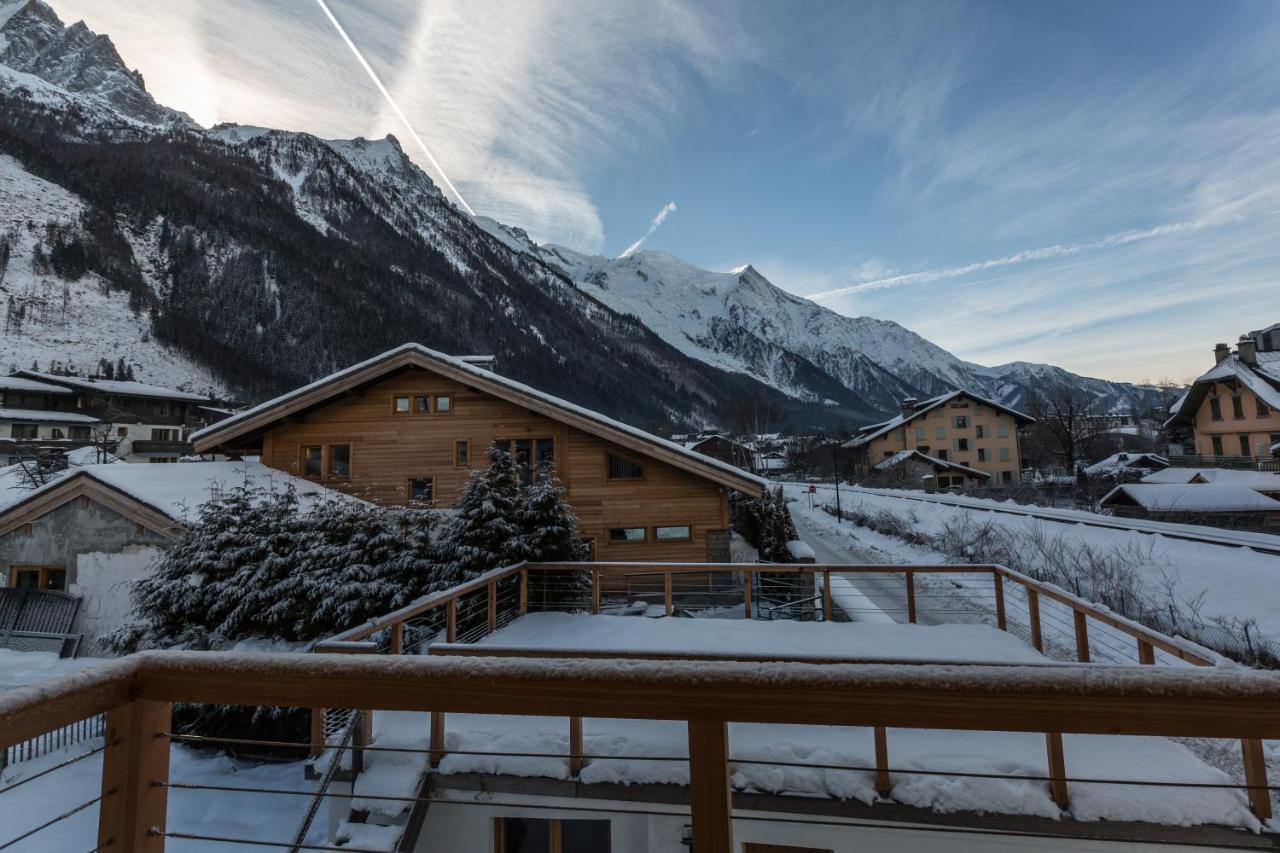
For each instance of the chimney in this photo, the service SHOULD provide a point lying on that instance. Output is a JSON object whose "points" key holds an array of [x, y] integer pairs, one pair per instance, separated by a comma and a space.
{"points": [[1220, 353], [908, 407], [1247, 348]]}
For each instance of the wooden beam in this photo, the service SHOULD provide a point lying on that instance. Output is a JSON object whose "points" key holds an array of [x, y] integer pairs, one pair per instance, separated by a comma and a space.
{"points": [[1255, 776], [911, 597], [491, 611], [826, 596], [1146, 653], [451, 621], [135, 770], [666, 593], [998, 581], [883, 784], [436, 745], [1033, 611], [746, 595], [576, 762], [397, 638], [524, 591], [1082, 635], [709, 794], [1057, 769]]}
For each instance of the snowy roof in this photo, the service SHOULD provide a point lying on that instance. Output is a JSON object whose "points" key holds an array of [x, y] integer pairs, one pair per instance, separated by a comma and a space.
{"points": [[1170, 497], [938, 464], [873, 431], [1260, 481], [46, 415], [177, 491], [17, 383], [500, 386], [1262, 378], [115, 386], [1122, 461]]}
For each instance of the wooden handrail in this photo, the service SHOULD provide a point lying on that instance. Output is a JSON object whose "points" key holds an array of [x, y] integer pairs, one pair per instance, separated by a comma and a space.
{"points": [[1171, 701]]}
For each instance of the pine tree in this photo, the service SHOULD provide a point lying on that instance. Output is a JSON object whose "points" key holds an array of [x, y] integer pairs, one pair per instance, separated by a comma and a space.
{"points": [[122, 370], [486, 534], [549, 533]]}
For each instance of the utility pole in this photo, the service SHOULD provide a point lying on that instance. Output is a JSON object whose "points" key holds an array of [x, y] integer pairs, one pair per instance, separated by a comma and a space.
{"points": [[835, 460]]}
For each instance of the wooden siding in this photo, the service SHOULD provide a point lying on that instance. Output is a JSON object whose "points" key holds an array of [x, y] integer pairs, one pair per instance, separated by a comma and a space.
{"points": [[388, 450]]}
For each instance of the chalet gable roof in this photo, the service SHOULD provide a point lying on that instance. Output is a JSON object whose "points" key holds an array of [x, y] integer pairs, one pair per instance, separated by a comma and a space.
{"points": [[1263, 379], [322, 390], [871, 432]]}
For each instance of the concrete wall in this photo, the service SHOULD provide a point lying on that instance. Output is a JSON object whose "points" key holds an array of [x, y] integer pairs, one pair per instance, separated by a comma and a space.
{"points": [[101, 551]]}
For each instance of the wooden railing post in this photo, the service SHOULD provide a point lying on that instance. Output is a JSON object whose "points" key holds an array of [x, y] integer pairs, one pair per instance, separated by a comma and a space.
{"points": [[666, 592], [1082, 635], [492, 618], [998, 581], [576, 762], [595, 591], [135, 773], [1255, 776], [524, 591], [911, 597], [1033, 611], [397, 638], [883, 784], [826, 596], [451, 621], [436, 747], [1146, 653], [710, 802], [746, 595], [317, 732], [1057, 769]]}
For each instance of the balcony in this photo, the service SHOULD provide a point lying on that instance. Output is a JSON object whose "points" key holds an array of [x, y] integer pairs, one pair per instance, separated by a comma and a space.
{"points": [[161, 448], [736, 700]]}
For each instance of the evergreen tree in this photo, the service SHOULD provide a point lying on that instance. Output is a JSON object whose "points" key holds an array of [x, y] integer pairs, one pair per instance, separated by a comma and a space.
{"points": [[486, 534], [549, 533], [122, 370]]}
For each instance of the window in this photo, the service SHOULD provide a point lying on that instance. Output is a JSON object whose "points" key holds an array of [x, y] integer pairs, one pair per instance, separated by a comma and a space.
{"points": [[1005, 454], [982, 454], [1002, 430], [38, 577], [422, 403], [621, 468], [550, 835], [962, 444], [528, 453], [940, 433], [922, 448], [164, 435], [421, 490], [25, 430], [960, 421], [444, 404], [339, 461], [162, 459], [920, 433], [56, 433], [461, 454], [311, 461], [1263, 409], [1237, 407], [626, 534], [1217, 445], [122, 432], [942, 454], [673, 533], [1244, 446], [1215, 408], [1006, 476], [981, 431], [887, 454], [400, 405]]}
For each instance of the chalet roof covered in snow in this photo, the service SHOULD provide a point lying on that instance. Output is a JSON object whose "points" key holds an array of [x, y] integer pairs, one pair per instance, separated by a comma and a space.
{"points": [[1208, 498], [45, 416], [938, 464], [1260, 481], [115, 387], [18, 383], [160, 497], [1118, 462], [1262, 378], [321, 391], [873, 431]]}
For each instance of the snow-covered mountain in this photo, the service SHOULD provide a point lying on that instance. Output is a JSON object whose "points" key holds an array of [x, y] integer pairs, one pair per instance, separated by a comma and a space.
{"points": [[740, 321], [246, 260]]}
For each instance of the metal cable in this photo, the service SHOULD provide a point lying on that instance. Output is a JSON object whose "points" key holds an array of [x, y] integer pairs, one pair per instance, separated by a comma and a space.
{"points": [[50, 823], [49, 770]]}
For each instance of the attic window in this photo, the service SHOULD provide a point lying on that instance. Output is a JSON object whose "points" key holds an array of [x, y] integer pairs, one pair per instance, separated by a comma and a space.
{"points": [[400, 405], [621, 468], [444, 404]]}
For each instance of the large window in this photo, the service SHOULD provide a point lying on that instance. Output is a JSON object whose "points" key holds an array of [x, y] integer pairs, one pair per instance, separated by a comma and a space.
{"points": [[530, 454], [1005, 454], [672, 533], [1237, 407], [622, 468], [553, 835], [461, 454], [312, 461], [1217, 445], [1244, 446], [421, 490], [1215, 408], [27, 431], [81, 433], [38, 577], [626, 534], [960, 421], [164, 434]]}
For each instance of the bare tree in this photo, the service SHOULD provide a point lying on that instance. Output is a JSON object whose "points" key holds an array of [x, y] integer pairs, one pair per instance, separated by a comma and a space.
{"points": [[1068, 424], [36, 468], [752, 415]]}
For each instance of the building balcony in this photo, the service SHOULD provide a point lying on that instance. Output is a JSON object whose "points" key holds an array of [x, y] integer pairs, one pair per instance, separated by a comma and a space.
{"points": [[161, 448]]}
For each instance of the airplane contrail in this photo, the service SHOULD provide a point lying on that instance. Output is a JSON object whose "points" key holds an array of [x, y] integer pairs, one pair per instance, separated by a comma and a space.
{"points": [[386, 95], [653, 226]]}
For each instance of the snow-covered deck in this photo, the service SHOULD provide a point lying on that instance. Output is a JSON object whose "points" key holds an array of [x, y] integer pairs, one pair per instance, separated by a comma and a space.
{"points": [[756, 637]]}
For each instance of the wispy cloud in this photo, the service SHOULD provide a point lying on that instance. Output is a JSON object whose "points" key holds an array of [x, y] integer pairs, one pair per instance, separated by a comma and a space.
{"points": [[661, 217], [1044, 253]]}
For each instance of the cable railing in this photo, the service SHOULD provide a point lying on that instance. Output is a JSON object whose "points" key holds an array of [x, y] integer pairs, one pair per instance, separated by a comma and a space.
{"points": [[704, 697]]}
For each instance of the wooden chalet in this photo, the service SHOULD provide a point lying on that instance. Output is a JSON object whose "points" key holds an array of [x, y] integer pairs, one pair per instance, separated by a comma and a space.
{"points": [[409, 426]]}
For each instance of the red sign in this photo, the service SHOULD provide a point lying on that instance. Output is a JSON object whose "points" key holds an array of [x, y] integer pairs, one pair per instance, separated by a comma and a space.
{"points": [[812, 488]]}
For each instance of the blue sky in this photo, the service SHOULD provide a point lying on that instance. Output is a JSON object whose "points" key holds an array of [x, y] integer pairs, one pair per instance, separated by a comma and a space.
{"points": [[1095, 185]]}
